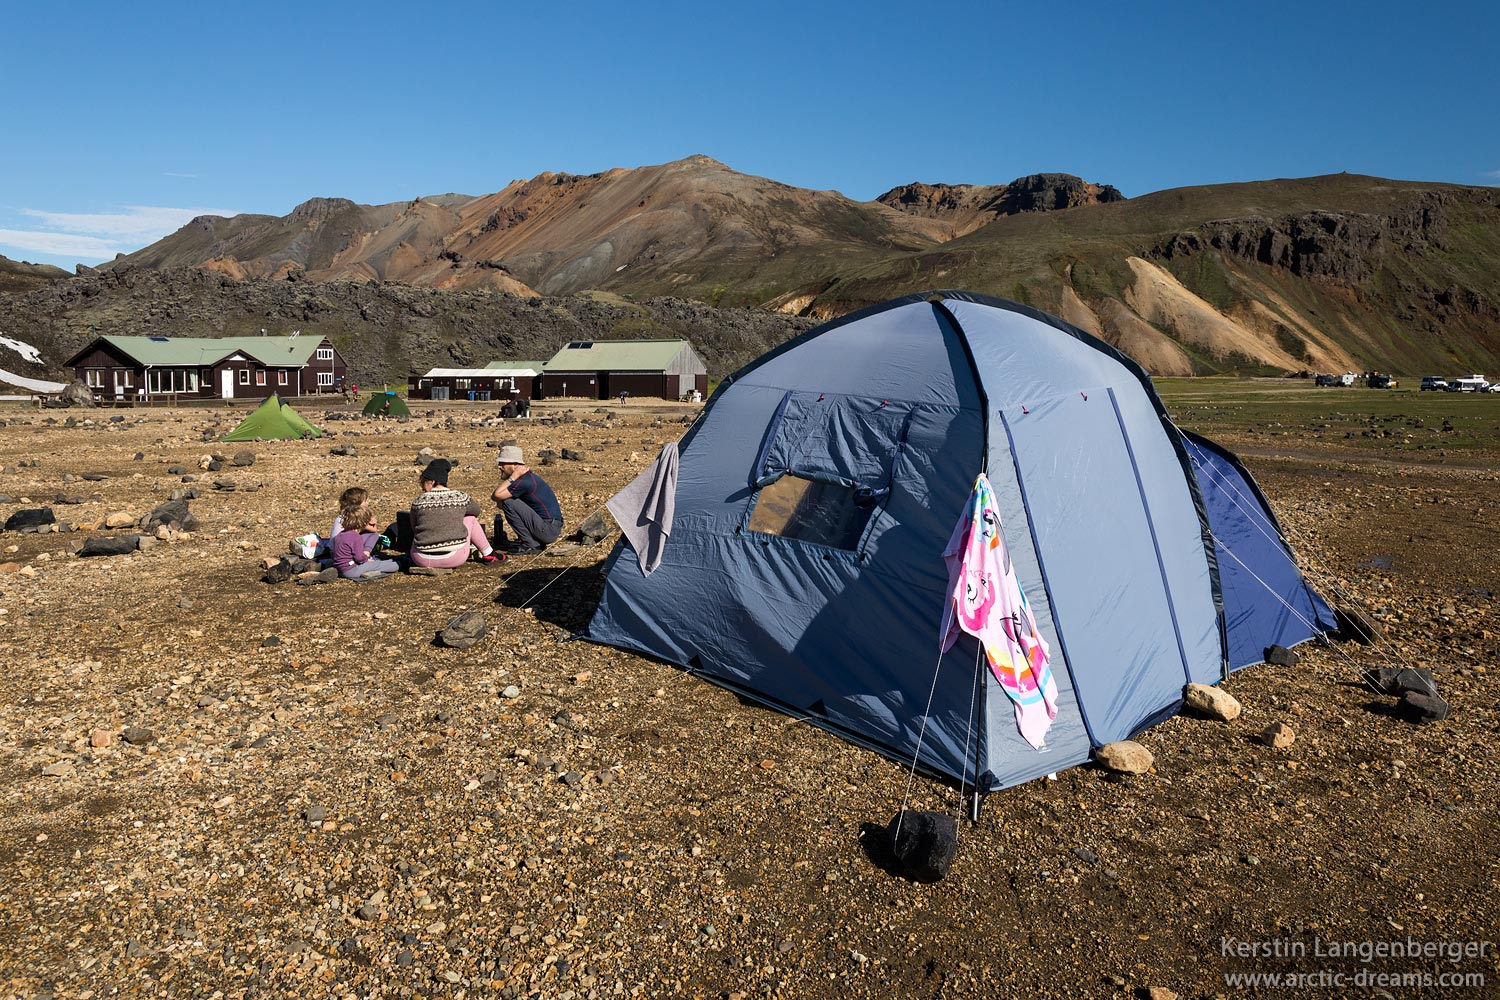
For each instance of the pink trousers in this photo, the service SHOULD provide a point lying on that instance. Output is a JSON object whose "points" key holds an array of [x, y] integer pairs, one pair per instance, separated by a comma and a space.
{"points": [[458, 556]]}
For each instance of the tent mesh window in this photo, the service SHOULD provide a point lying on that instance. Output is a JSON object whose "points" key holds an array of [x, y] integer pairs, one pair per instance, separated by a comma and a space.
{"points": [[811, 511]]}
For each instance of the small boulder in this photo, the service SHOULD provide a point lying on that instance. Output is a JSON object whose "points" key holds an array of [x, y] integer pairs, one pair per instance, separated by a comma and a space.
{"points": [[464, 631], [593, 529], [172, 514], [1418, 707], [32, 519], [923, 844], [118, 545], [1278, 735], [137, 736], [290, 566], [329, 575], [1213, 702], [1281, 656], [1356, 626], [244, 458], [569, 455], [1397, 681], [1125, 757], [120, 519]]}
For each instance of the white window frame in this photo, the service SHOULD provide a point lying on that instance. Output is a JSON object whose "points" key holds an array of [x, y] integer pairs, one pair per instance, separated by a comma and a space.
{"points": [[244, 376], [281, 376], [325, 378], [325, 354], [94, 378], [260, 376]]}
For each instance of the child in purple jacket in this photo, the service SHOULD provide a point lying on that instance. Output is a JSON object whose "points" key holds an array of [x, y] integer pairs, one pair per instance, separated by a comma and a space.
{"points": [[351, 547]]}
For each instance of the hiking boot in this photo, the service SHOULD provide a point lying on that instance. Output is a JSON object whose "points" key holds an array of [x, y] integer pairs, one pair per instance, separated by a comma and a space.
{"points": [[526, 550]]}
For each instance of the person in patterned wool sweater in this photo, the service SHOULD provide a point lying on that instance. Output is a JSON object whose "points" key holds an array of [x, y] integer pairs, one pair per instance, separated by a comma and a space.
{"points": [[445, 524]]}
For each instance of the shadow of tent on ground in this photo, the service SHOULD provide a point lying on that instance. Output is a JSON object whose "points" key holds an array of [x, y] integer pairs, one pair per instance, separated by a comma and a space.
{"points": [[564, 597]]}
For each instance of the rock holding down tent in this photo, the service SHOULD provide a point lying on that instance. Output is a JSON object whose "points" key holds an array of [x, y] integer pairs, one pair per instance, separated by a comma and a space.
{"points": [[1418, 707], [1280, 656], [1211, 701], [1397, 681], [923, 844], [1357, 626], [464, 630], [593, 529], [1125, 757]]}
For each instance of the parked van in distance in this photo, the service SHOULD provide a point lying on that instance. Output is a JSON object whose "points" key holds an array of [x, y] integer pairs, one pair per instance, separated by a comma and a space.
{"points": [[1434, 383], [1469, 383]]}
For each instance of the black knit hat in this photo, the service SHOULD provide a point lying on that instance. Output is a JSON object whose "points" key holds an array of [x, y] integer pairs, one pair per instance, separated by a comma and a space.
{"points": [[437, 471]]}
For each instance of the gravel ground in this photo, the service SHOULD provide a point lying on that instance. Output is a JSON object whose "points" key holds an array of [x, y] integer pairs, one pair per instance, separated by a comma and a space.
{"points": [[210, 786]]}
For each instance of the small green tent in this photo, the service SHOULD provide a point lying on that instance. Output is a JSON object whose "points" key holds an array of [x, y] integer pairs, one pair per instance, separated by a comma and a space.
{"points": [[386, 404], [273, 420]]}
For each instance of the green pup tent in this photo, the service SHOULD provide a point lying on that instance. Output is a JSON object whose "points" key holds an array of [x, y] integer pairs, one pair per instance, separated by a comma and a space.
{"points": [[386, 404], [273, 420]]}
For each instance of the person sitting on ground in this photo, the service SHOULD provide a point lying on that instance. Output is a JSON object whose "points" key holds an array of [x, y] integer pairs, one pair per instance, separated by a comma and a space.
{"points": [[523, 406], [351, 499], [445, 524], [352, 546], [527, 504], [509, 410]]}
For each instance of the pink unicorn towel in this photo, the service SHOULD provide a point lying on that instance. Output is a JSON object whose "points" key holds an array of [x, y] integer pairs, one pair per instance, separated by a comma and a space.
{"points": [[986, 601]]}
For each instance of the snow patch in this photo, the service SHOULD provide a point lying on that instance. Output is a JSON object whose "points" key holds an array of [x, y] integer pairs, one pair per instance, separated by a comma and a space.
{"points": [[34, 384], [22, 348]]}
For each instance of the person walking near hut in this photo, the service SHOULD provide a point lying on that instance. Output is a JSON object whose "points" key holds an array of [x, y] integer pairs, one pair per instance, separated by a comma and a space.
{"points": [[527, 504]]}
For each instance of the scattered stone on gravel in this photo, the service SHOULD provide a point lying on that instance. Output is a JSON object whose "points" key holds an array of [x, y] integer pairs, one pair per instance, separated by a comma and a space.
{"points": [[138, 735], [1125, 757], [120, 519], [1210, 701], [511, 691], [315, 813], [1278, 735], [58, 769], [104, 545], [329, 575], [243, 458], [31, 519]]}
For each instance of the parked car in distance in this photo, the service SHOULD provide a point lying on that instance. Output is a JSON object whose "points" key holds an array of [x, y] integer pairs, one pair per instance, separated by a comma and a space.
{"points": [[1380, 380], [1434, 383]]}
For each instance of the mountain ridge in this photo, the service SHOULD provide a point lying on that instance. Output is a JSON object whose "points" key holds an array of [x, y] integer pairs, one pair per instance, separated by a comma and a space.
{"points": [[1339, 271]]}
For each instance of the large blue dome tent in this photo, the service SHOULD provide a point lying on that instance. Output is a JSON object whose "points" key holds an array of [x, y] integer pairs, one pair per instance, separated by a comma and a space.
{"points": [[817, 491]]}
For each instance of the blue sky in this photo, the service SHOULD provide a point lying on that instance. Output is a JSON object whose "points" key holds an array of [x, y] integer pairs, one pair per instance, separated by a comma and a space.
{"points": [[120, 122]]}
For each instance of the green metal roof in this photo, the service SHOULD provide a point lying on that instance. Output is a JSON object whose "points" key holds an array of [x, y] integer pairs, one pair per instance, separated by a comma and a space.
{"points": [[616, 355], [205, 351]]}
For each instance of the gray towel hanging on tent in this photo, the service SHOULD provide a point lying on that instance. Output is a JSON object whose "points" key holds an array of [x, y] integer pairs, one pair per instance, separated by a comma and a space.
{"points": [[644, 508]]}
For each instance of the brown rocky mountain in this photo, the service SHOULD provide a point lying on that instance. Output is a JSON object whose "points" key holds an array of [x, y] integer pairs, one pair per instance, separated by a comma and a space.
{"points": [[966, 207], [1336, 272]]}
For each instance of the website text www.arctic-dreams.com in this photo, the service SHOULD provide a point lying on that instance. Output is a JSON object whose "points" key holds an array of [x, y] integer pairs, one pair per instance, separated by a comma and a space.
{"points": [[1401, 963]]}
